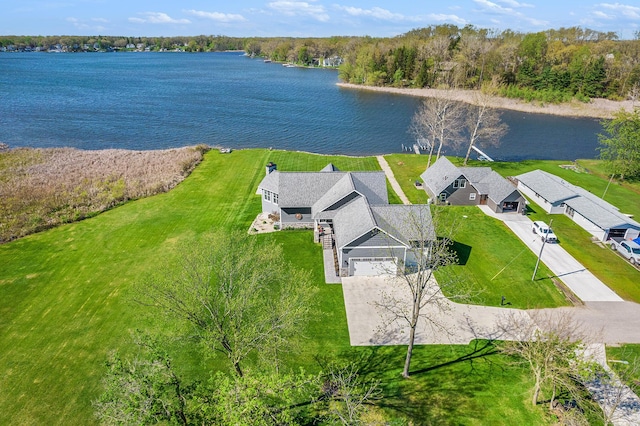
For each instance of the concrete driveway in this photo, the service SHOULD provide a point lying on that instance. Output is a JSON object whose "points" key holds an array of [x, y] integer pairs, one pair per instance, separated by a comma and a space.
{"points": [[583, 283], [454, 323]]}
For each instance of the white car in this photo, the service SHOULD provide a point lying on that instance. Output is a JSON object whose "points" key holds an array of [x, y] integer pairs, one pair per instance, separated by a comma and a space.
{"points": [[546, 233]]}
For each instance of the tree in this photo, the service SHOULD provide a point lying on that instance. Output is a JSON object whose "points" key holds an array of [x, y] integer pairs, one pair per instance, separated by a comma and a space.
{"points": [[238, 296], [483, 124], [143, 391], [427, 255], [553, 346], [438, 122], [620, 148]]}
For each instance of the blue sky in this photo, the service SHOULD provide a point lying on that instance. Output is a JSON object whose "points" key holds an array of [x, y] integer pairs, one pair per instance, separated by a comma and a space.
{"points": [[307, 18]]}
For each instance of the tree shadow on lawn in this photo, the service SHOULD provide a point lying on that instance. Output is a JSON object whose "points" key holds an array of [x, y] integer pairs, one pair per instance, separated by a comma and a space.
{"points": [[438, 392], [462, 251]]}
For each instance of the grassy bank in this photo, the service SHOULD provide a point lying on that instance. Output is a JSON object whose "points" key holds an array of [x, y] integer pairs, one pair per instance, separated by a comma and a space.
{"points": [[67, 301]]}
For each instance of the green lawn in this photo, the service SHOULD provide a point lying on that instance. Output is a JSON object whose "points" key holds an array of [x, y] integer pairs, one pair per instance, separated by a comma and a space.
{"points": [[611, 269], [67, 301], [495, 263]]}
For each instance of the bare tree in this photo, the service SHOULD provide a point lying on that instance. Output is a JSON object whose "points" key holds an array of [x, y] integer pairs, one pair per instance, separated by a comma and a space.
{"points": [[438, 121], [483, 124], [416, 282], [553, 346], [609, 388], [349, 394], [239, 297]]}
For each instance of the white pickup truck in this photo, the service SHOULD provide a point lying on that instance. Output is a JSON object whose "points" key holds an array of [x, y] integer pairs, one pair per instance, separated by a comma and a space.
{"points": [[629, 249]]}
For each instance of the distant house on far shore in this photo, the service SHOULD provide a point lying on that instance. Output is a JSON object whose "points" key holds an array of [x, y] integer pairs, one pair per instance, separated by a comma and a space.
{"points": [[471, 186]]}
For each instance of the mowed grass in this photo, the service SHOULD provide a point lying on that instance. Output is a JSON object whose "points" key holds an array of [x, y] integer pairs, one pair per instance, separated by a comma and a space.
{"points": [[493, 263], [614, 271], [67, 301]]}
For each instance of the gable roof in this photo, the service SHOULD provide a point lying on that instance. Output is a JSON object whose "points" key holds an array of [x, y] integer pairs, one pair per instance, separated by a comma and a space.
{"points": [[330, 168], [495, 186], [485, 180], [555, 189], [440, 175]]}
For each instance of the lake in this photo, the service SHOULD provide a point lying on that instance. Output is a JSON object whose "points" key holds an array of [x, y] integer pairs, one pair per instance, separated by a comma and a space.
{"points": [[162, 100]]}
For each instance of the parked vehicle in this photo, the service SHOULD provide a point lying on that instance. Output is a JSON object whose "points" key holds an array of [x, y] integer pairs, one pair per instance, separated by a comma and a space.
{"points": [[542, 229], [630, 250]]}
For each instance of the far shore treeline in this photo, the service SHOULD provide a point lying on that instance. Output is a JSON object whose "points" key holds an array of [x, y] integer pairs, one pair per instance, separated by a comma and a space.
{"points": [[556, 65]]}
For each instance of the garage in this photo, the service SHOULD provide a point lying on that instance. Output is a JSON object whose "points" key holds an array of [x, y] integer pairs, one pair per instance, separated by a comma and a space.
{"points": [[372, 266]]}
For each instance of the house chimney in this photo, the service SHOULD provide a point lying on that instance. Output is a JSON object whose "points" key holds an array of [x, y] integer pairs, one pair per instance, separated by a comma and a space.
{"points": [[271, 167]]}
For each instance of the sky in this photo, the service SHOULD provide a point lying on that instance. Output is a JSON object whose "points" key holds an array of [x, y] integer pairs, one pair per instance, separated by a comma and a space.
{"points": [[307, 18]]}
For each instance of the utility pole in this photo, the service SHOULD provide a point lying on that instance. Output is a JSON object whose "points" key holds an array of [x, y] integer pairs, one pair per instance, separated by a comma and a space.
{"points": [[544, 241]]}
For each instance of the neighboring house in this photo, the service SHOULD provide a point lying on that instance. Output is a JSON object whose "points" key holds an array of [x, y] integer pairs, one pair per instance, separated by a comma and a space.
{"points": [[556, 196], [351, 210], [471, 186]]}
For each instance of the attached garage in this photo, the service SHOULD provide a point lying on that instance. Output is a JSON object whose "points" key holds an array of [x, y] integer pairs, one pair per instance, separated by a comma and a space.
{"points": [[372, 266]]}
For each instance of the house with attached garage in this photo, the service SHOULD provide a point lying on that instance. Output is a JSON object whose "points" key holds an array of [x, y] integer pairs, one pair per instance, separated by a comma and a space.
{"points": [[471, 186], [350, 213], [557, 196]]}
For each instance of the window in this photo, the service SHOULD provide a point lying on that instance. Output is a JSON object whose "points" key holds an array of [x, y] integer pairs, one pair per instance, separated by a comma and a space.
{"points": [[275, 198], [472, 196], [443, 196], [459, 183], [267, 195]]}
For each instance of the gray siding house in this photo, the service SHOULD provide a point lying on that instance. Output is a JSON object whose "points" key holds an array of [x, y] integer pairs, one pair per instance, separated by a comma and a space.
{"points": [[557, 196], [471, 186], [351, 209]]}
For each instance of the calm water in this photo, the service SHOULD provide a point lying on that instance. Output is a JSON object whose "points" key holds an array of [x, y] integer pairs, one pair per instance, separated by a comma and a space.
{"points": [[161, 100]]}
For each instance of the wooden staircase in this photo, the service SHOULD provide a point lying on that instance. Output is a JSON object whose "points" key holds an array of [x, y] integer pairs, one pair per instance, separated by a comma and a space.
{"points": [[327, 242]]}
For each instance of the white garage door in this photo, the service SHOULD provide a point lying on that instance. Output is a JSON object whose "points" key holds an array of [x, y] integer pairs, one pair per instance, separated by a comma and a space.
{"points": [[373, 267]]}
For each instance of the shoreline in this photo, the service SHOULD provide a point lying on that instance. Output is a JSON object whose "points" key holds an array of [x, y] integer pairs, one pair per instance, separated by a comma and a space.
{"points": [[597, 108]]}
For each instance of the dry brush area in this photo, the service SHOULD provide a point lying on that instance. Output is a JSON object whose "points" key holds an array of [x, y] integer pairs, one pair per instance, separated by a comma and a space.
{"points": [[42, 188]]}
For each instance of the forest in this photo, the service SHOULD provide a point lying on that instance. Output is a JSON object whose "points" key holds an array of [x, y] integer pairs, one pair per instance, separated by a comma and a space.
{"points": [[556, 65]]}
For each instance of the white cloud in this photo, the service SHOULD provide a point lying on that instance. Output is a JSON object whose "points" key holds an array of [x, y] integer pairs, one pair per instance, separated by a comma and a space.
{"points": [[216, 16], [105, 21], [514, 3], [602, 15], [386, 15], [491, 7], [374, 12], [297, 8], [630, 12], [447, 18], [158, 18]]}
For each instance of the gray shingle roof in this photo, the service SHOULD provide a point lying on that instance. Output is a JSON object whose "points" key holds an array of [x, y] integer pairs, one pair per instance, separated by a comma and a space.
{"points": [[352, 221], [372, 185], [495, 186], [548, 186], [270, 182], [602, 217], [405, 222], [440, 175], [555, 189], [486, 181], [303, 189], [337, 192]]}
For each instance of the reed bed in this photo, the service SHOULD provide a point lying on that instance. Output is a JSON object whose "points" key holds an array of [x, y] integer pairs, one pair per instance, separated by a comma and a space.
{"points": [[42, 188]]}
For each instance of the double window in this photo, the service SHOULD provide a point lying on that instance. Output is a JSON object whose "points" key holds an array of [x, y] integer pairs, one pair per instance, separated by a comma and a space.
{"points": [[459, 183], [270, 196]]}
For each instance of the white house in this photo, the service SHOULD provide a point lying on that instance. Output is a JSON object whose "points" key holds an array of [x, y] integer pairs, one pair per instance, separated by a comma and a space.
{"points": [[557, 196]]}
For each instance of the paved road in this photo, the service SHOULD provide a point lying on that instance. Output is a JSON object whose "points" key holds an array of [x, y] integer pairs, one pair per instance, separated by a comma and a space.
{"points": [[583, 283], [392, 179]]}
